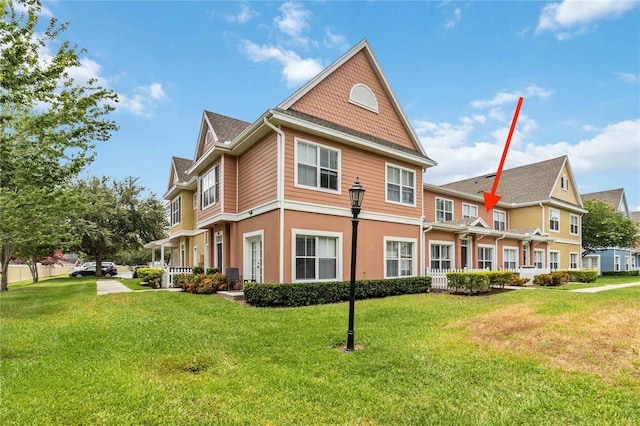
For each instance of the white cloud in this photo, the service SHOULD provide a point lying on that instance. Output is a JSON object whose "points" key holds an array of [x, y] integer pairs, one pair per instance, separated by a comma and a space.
{"points": [[295, 70], [156, 92], [335, 40], [502, 98], [589, 128], [615, 147], [453, 20], [244, 15], [143, 101], [21, 8], [627, 77], [556, 17], [294, 21]]}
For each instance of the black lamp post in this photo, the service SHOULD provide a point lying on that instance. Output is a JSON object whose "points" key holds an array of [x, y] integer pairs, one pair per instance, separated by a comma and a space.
{"points": [[356, 194]]}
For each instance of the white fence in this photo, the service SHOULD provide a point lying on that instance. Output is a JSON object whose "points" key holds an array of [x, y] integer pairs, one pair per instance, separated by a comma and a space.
{"points": [[439, 276], [174, 270]]}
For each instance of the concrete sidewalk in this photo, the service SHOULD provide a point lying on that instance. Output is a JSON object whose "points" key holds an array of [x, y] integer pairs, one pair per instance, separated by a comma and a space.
{"points": [[111, 286], [604, 288]]}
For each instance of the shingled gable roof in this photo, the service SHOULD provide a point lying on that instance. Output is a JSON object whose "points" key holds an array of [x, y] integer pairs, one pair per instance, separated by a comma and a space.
{"points": [[180, 167], [524, 184], [613, 197], [362, 46], [224, 128], [635, 216]]}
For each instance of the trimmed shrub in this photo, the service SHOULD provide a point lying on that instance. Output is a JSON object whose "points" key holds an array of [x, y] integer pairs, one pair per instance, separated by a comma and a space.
{"points": [[199, 283], [583, 276], [151, 276], [197, 270], [553, 279], [518, 281], [317, 293], [478, 281], [622, 273], [211, 271]]}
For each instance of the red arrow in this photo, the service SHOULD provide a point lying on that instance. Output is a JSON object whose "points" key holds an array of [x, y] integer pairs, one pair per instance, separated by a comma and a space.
{"points": [[490, 199]]}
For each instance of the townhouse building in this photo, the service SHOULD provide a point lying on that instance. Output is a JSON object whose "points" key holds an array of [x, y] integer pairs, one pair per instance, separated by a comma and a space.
{"points": [[271, 198]]}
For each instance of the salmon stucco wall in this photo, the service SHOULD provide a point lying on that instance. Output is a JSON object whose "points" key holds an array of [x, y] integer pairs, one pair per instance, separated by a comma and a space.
{"points": [[329, 100]]}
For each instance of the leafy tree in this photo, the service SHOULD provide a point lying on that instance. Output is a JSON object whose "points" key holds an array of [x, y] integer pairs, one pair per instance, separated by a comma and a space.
{"points": [[604, 227], [48, 122], [115, 217]]}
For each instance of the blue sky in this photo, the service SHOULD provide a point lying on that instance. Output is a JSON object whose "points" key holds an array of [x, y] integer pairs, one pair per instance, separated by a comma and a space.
{"points": [[457, 69]]}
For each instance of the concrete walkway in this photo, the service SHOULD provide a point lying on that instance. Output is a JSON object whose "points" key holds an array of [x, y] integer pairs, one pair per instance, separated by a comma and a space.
{"points": [[604, 288], [111, 286]]}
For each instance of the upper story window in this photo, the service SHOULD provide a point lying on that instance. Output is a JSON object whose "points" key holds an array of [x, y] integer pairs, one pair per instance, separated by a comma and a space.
{"points": [[499, 220], [175, 211], [574, 223], [444, 210], [554, 220], [469, 210], [209, 188], [401, 184], [564, 182], [317, 166], [209, 137]]}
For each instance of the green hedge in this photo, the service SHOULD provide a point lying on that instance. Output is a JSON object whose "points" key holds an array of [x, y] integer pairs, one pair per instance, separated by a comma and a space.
{"points": [[583, 276], [478, 281], [553, 279], [622, 273], [317, 293], [200, 283], [151, 276]]}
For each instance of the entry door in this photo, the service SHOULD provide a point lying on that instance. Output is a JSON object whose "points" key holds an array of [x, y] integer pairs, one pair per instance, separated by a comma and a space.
{"points": [[464, 253], [255, 258]]}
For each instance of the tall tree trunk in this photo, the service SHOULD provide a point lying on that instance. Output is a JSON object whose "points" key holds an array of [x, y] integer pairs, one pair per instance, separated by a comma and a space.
{"points": [[99, 265], [6, 248], [33, 268]]}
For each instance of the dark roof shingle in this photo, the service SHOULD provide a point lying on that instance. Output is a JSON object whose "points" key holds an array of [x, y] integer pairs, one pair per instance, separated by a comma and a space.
{"points": [[182, 165], [226, 128], [524, 184], [611, 197]]}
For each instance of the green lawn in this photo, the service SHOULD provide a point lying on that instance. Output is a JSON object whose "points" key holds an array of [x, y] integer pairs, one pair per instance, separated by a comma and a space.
{"points": [[71, 357], [599, 283]]}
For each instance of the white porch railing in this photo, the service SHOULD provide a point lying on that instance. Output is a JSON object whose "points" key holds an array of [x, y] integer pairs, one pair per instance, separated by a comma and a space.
{"points": [[439, 276]]}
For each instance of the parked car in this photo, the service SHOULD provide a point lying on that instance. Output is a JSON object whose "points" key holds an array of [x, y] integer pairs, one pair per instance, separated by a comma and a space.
{"points": [[108, 270]]}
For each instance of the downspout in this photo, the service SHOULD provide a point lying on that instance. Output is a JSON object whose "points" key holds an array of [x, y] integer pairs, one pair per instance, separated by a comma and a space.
{"points": [[279, 194], [423, 243], [496, 243]]}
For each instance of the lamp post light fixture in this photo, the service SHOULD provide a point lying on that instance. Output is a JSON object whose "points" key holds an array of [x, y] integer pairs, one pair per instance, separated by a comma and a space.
{"points": [[356, 194]]}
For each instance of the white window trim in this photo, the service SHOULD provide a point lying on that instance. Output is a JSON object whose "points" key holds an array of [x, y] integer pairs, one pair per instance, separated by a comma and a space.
{"points": [[386, 182], [414, 259], [493, 258], [195, 200], [577, 262], [564, 182], [246, 253], [504, 248], [558, 253], [435, 210], [444, 243], [313, 233], [215, 248], [179, 210], [469, 205], [616, 262], [494, 219], [571, 216], [217, 193], [295, 167], [544, 261], [554, 210]]}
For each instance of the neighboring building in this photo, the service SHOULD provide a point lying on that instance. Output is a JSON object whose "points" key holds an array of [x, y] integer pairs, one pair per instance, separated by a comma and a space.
{"points": [[271, 197], [613, 258], [536, 224], [635, 253]]}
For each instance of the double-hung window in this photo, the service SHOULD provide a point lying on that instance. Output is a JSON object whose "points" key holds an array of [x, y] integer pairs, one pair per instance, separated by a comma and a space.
{"points": [[554, 220], [175, 211], [573, 261], [554, 260], [316, 258], [401, 185], [499, 220], [574, 221], [441, 257], [399, 258], [538, 258], [444, 210], [509, 258], [209, 187], [485, 257], [318, 166], [469, 210]]}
